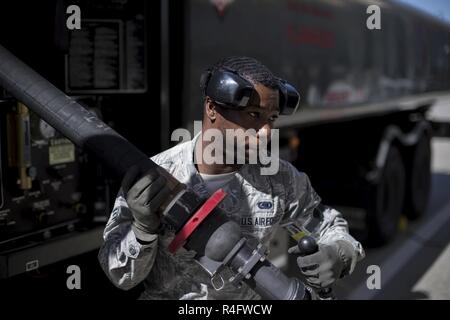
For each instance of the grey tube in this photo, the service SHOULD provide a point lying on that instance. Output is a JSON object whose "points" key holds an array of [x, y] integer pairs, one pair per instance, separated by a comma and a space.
{"points": [[269, 281], [273, 284]]}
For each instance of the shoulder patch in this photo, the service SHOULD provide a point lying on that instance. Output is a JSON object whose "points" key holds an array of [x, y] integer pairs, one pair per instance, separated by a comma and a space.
{"points": [[265, 205]]}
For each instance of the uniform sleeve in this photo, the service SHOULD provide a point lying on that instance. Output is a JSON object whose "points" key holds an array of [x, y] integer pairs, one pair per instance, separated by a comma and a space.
{"points": [[305, 213], [125, 261]]}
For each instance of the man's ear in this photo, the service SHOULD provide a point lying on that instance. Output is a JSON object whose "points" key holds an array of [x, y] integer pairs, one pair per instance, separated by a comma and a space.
{"points": [[210, 109]]}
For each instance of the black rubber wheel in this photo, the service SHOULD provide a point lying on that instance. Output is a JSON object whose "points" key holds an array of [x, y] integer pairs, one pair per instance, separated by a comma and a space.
{"points": [[386, 200], [418, 182]]}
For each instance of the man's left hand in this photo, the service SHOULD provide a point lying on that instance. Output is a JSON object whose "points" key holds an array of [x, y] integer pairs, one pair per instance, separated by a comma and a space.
{"points": [[323, 268]]}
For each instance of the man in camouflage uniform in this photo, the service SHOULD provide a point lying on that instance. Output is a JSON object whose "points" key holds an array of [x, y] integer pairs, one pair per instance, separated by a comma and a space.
{"points": [[135, 247]]}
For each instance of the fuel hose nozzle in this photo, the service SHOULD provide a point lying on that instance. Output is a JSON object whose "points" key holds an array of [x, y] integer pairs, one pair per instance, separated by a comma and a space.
{"points": [[219, 243]]}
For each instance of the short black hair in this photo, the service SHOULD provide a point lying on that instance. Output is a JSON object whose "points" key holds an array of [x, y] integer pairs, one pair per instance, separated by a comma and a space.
{"points": [[250, 69]]}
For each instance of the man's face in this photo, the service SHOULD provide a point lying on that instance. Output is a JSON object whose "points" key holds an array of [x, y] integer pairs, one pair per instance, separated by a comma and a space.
{"points": [[261, 113], [259, 116]]}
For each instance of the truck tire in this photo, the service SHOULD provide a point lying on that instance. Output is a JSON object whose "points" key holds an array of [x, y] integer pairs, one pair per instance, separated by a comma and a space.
{"points": [[418, 181], [386, 200]]}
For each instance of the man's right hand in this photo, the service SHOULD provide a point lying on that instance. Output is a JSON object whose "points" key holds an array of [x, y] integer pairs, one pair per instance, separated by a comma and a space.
{"points": [[144, 195]]}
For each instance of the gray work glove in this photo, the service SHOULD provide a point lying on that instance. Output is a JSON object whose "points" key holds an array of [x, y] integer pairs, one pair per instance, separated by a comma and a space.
{"points": [[327, 265], [145, 193]]}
